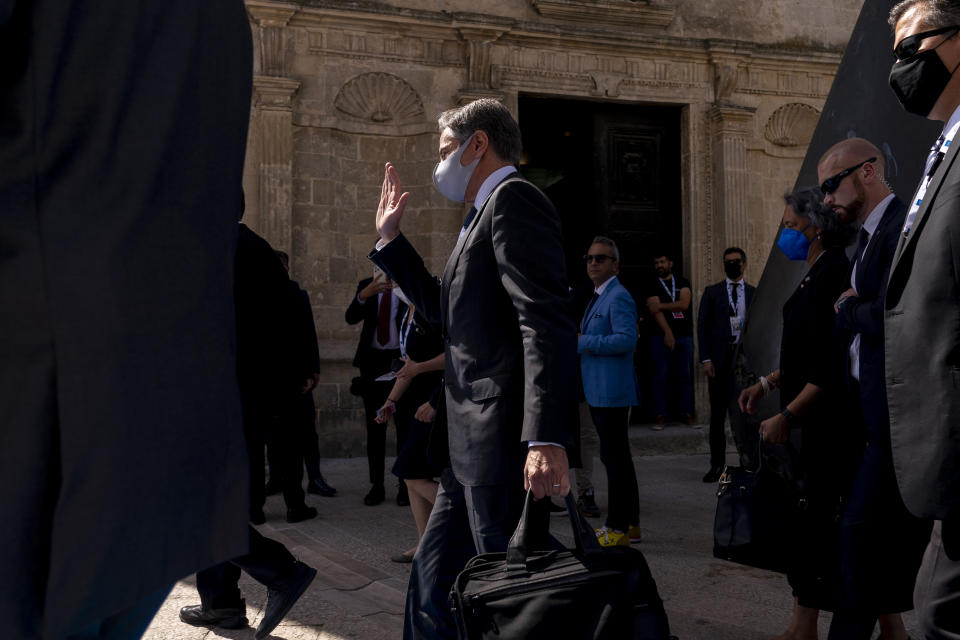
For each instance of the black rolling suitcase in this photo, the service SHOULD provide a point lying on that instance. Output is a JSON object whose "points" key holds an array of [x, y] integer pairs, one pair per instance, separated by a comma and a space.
{"points": [[587, 592]]}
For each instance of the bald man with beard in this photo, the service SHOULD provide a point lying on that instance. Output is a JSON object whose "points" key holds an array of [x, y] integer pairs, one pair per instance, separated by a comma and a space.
{"points": [[881, 542]]}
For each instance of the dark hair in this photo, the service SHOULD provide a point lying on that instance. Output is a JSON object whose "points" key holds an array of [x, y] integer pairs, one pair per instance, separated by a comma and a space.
{"points": [[807, 202], [661, 254], [729, 250], [492, 118], [937, 13]]}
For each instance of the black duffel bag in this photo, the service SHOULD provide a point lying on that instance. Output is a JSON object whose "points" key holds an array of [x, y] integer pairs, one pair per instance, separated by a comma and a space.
{"points": [[587, 592], [756, 517]]}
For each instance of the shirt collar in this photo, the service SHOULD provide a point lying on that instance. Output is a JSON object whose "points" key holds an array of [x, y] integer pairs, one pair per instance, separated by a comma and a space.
{"points": [[950, 129], [730, 282], [599, 290], [873, 220], [490, 183]]}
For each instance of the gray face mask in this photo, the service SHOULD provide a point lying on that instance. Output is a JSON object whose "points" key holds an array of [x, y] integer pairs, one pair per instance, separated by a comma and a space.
{"points": [[451, 178]]}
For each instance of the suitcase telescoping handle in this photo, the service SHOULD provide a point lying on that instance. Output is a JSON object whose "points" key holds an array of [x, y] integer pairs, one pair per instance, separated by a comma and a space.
{"points": [[583, 535]]}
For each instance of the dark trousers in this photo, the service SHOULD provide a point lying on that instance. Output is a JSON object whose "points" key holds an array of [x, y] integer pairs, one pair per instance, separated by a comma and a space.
{"points": [[279, 434], [937, 593], [719, 387], [268, 562], [677, 362], [465, 521], [374, 395], [623, 495], [127, 624], [305, 448]]}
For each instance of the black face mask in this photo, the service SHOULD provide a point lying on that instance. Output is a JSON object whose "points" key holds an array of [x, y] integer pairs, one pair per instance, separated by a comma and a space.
{"points": [[733, 269], [919, 81]]}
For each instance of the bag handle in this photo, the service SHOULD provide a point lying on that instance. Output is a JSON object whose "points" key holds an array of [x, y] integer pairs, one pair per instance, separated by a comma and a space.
{"points": [[583, 536]]}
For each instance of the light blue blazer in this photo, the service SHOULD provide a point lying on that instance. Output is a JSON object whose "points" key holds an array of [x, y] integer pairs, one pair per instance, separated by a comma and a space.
{"points": [[608, 338]]}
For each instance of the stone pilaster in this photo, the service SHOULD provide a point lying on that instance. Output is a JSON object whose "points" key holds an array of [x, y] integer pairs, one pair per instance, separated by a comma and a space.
{"points": [[273, 125], [730, 129], [478, 51]]}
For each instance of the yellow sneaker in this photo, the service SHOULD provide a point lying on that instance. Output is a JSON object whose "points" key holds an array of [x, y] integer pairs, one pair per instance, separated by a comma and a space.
{"points": [[634, 533], [612, 538]]}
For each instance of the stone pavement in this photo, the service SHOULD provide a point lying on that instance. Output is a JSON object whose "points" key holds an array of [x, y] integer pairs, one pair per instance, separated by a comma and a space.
{"points": [[359, 592]]}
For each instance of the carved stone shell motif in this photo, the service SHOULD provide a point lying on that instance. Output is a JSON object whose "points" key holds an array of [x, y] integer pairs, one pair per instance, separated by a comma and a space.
{"points": [[380, 98], [792, 125]]}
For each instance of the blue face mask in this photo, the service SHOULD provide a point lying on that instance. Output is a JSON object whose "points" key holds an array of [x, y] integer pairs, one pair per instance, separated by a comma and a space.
{"points": [[794, 244]]}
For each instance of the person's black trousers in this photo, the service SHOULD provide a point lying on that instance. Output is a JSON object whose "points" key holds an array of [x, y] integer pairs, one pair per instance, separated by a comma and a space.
{"points": [[937, 592], [719, 387], [286, 454], [268, 562], [623, 495]]}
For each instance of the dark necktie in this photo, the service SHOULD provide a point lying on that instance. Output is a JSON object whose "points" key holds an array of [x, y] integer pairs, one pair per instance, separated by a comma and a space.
{"points": [[383, 322], [469, 218], [733, 298], [593, 301], [862, 240]]}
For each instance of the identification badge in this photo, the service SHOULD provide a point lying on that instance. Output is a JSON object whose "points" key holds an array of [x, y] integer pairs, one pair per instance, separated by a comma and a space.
{"points": [[735, 325], [678, 315]]}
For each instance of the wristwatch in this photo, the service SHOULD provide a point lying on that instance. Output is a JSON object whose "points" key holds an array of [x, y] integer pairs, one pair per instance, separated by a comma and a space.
{"points": [[788, 415]]}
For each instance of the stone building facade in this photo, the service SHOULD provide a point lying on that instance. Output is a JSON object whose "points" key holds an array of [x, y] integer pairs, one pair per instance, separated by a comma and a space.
{"points": [[341, 86]]}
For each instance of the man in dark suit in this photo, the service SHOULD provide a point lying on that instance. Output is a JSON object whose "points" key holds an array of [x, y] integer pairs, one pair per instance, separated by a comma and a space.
{"points": [[381, 313], [301, 425], [922, 308], [723, 308], [122, 462], [876, 584], [503, 306]]}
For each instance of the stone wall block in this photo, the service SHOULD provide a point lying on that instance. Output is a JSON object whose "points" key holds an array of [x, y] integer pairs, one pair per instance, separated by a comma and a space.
{"points": [[323, 191], [313, 165], [345, 196], [368, 173], [381, 150], [302, 192]]}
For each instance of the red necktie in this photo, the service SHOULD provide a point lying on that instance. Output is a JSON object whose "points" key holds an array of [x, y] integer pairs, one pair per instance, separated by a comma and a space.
{"points": [[383, 325]]}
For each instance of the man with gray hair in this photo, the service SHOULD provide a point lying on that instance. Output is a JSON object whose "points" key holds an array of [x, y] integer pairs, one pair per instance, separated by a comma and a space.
{"points": [[922, 310], [608, 338], [503, 308]]}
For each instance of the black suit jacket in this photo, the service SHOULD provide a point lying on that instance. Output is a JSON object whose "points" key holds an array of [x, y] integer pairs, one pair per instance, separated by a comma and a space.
{"points": [[504, 308], [922, 340], [863, 314], [713, 323], [368, 312], [122, 135]]}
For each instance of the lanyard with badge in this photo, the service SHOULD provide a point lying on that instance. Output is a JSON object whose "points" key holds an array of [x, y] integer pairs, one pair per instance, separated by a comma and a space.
{"points": [[672, 292], [736, 322]]}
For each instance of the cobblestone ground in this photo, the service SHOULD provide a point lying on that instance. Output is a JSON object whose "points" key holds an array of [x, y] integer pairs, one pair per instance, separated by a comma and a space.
{"points": [[359, 592]]}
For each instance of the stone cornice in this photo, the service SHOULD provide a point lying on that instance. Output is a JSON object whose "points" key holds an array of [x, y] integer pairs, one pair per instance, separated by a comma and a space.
{"points": [[356, 15], [274, 94], [270, 14], [618, 13]]}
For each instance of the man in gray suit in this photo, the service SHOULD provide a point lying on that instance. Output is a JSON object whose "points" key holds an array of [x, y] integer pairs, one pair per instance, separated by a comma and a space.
{"points": [[922, 310], [510, 349]]}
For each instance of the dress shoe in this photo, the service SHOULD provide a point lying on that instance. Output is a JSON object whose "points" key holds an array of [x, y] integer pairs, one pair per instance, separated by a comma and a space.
{"points": [[301, 513], [713, 475], [375, 496], [657, 423], [282, 598], [272, 488], [318, 486], [403, 498], [401, 558], [635, 533], [690, 419], [587, 505], [257, 517], [228, 618]]}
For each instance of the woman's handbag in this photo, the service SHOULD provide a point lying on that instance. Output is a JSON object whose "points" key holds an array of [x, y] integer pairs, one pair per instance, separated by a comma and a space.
{"points": [[585, 593], [754, 521]]}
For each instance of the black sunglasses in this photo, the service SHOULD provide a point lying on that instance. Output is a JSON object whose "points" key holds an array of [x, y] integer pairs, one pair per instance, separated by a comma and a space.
{"points": [[599, 258], [909, 46], [830, 184]]}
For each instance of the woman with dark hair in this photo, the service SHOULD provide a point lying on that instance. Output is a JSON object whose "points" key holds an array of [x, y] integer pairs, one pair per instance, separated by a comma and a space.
{"points": [[811, 379]]}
